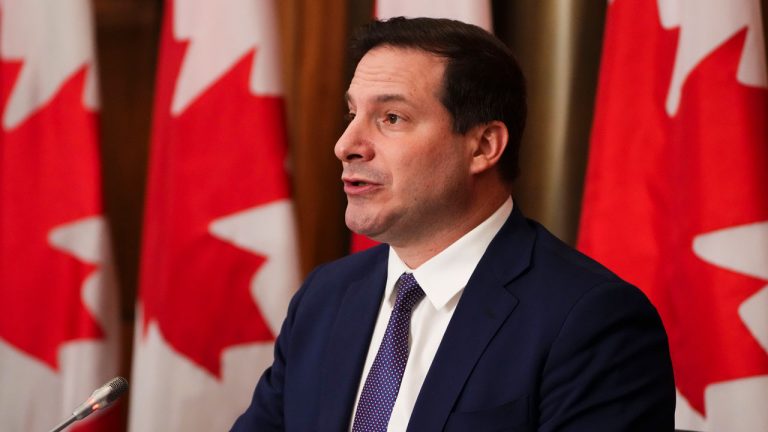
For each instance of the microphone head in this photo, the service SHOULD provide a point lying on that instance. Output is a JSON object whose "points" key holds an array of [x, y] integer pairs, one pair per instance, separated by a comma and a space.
{"points": [[118, 386], [102, 397]]}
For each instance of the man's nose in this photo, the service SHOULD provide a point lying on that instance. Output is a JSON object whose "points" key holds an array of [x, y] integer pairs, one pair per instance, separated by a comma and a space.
{"points": [[354, 144]]}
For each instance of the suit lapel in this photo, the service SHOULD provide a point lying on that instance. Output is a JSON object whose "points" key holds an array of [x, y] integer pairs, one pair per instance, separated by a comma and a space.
{"points": [[348, 347], [483, 308]]}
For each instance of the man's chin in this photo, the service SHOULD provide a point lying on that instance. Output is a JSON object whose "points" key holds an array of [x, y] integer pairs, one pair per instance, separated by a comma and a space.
{"points": [[371, 234], [364, 227]]}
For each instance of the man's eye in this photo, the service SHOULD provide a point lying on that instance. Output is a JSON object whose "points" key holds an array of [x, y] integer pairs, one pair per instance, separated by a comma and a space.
{"points": [[349, 117], [393, 118]]}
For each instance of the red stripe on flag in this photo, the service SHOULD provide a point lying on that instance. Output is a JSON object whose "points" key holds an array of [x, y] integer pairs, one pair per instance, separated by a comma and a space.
{"points": [[659, 182]]}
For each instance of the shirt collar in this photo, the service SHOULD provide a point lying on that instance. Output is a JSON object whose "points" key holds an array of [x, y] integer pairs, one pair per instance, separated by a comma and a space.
{"points": [[447, 273]]}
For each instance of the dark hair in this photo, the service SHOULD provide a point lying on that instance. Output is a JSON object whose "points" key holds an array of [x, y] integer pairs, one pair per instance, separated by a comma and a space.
{"points": [[482, 80]]}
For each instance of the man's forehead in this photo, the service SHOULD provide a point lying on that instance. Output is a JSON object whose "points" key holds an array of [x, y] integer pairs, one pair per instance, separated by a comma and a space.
{"points": [[401, 50], [389, 73], [388, 57]]}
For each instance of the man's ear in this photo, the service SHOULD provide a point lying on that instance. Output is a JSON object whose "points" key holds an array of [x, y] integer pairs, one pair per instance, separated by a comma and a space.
{"points": [[490, 140]]}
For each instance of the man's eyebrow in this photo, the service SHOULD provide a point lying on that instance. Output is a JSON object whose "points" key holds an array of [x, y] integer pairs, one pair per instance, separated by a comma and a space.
{"points": [[381, 98]]}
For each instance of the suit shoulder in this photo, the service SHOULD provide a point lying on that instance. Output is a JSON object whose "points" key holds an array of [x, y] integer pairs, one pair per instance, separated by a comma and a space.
{"points": [[564, 261], [352, 266], [562, 272], [331, 280]]}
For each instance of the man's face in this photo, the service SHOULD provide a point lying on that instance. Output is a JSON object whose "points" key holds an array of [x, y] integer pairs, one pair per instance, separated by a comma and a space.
{"points": [[406, 173]]}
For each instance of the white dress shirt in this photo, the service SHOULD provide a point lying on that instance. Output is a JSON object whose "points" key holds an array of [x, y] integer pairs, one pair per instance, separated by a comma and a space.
{"points": [[443, 278]]}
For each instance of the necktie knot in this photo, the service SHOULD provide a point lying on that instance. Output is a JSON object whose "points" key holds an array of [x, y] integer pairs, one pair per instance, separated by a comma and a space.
{"points": [[409, 293]]}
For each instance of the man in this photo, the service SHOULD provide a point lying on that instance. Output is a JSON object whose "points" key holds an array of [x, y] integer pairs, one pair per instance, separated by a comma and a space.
{"points": [[470, 317]]}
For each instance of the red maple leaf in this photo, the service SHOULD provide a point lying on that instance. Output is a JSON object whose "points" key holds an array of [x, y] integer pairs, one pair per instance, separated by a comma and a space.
{"points": [[656, 182], [360, 243], [225, 153], [49, 176]]}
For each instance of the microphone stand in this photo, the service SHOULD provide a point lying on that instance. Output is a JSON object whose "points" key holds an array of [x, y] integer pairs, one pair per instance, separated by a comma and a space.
{"points": [[64, 424]]}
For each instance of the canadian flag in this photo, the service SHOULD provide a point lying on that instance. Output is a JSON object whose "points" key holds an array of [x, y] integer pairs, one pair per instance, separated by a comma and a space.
{"points": [[676, 197], [59, 320], [477, 12], [219, 259]]}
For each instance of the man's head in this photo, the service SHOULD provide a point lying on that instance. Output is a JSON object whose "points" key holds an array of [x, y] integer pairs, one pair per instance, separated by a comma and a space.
{"points": [[482, 80], [429, 131]]}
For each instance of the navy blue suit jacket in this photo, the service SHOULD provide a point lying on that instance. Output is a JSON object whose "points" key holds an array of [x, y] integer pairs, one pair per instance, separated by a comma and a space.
{"points": [[543, 338]]}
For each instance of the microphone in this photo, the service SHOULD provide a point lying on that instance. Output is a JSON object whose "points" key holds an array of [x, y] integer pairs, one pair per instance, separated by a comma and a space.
{"points": [[101, 398]]}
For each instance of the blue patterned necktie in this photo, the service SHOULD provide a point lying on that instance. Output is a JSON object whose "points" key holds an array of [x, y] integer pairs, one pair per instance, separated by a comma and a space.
{"points": [[383, 382]]}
